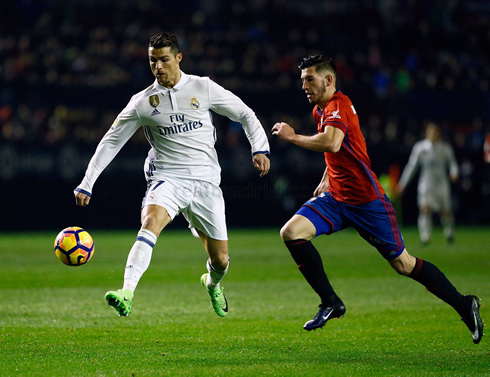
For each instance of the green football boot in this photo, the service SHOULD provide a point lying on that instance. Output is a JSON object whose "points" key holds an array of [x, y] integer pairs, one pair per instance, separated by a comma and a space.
{"points": [[217, 298], [120, 300]]}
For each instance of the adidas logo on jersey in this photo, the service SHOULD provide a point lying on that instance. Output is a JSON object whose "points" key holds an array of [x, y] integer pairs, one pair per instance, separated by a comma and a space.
{"points": [[335, 115], [155, 112]]}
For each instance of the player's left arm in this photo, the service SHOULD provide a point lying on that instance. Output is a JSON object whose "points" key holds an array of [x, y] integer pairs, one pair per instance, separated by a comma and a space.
{"points": [[330, 140], [226, 103], [262, 163]]}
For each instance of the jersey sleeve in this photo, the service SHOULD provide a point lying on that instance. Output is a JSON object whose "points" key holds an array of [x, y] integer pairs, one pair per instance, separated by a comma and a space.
{"points": [[411, 167], [125, 125], [335, 115], [226, 103]]}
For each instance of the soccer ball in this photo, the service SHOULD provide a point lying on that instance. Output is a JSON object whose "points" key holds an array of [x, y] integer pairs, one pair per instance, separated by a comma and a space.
{"points": [[74, 246]]}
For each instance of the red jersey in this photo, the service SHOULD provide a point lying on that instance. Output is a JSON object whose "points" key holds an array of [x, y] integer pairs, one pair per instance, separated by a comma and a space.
{"points": [[349, 170]]}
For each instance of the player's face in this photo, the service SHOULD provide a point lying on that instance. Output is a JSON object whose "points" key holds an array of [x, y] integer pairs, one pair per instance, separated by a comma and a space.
{"points": [[314, 85], [165, 65], [433, 133]]}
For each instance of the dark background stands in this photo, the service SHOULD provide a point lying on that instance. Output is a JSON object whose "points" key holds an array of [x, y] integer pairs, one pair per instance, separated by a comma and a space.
{"points": [[68, 68]]}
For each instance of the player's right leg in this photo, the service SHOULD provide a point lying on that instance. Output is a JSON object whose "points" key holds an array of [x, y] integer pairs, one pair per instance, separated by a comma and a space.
{"points": [[424, 223], [296, 234], [217, 266], [154, 218]]}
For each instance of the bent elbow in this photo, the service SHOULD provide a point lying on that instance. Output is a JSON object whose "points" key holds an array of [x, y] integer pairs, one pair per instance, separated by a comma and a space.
{"points": [[336, 148], [333, 148]]}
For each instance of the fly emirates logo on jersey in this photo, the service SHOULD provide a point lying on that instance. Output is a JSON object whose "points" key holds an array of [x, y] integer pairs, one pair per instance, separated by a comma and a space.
{"points": [[179, 125]]}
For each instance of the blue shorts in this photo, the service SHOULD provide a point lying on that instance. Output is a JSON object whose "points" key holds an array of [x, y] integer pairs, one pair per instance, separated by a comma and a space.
{"points": [[375, 221]]}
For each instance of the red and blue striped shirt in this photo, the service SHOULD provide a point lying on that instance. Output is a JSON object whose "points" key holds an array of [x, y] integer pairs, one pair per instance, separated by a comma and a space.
{"points": [[349, 170]]}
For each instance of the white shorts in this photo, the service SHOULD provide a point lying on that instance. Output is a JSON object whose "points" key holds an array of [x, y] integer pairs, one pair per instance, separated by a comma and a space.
{"points": [[437, 200], [200, 202]]}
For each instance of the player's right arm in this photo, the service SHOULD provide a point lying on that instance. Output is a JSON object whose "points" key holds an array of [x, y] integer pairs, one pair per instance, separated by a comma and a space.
{"points": [[328, 141], [125, 125], [81, 199], [410, 169]]}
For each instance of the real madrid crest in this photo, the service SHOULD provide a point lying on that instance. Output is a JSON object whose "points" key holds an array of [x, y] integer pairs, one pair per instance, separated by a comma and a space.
{"points": [[154, 100], [194, 104]]}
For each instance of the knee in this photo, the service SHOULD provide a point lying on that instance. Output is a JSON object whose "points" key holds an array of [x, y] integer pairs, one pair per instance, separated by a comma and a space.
{"points": [[298, 227], [152, 223], [288, 233], [154, 218], [220, 261]]}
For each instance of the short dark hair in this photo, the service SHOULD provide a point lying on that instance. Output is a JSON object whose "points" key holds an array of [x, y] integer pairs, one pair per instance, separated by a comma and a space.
{"points": [[321, 63], [164, 39]]}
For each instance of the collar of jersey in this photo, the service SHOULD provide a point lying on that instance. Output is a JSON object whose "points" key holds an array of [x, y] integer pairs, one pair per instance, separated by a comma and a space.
{"points": [[319, 111], [183, 80]]}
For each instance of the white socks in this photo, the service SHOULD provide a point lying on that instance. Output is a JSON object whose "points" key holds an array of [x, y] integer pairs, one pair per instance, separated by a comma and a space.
{"points": [[425, 226], [448, 225], [215, 276], [139, 258]]}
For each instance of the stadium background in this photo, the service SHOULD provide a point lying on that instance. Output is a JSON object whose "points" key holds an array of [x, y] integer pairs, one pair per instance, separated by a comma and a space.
{"points": [[68, 67]]}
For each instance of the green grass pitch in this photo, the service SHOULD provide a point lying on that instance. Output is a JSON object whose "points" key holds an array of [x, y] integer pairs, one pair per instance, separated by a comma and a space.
{"points": [[54, 321]]}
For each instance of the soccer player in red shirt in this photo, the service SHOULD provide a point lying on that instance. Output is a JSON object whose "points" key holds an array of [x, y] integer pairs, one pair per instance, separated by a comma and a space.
{"points": [[349, 194]]}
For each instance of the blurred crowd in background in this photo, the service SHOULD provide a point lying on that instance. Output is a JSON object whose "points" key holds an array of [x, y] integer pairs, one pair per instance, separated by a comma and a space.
{"points": [[67, 69]]}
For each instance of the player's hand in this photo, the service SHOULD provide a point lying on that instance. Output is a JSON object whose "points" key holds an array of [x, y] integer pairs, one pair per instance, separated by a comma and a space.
{"points": [[453, 178], [261, 163], [81, 199], [322, 187], [283, 130]]}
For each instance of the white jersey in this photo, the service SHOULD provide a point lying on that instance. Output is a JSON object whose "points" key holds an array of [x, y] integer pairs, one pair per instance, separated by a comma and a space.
{"points": [[435, 161], [178, 125]]}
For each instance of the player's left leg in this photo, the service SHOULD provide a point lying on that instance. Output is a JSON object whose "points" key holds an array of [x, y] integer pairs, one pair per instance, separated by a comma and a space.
{"points": [[376, 222], [217, 266], [446, 213], [427, 201], [206, 216], [447, 221], [431, 277], [438, 284]]}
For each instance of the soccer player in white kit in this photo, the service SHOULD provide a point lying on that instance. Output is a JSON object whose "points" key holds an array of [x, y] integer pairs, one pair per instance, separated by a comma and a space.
{"points": [[436, 160], [182, 166]]}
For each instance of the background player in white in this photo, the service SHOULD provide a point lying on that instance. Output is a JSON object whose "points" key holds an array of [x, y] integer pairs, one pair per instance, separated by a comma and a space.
{"points": [[436, 160], [182, 167]]}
